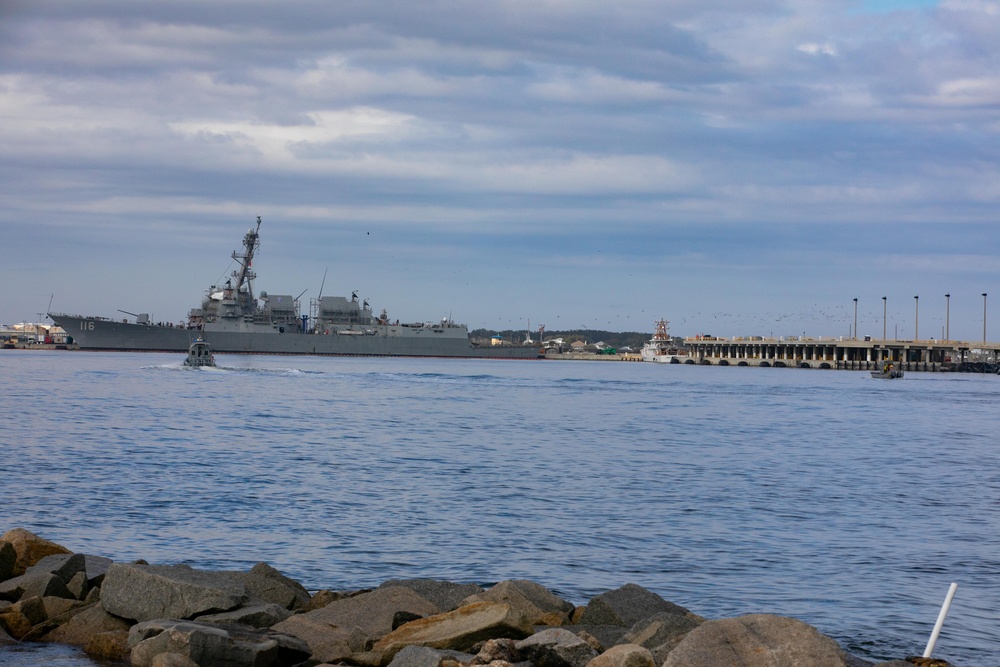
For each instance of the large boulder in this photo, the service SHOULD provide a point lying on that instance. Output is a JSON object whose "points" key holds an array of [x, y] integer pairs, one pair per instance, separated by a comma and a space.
{"points": [[541, 606], [6, 639], [423, 656], [660, 633], [91, 621], [39, 584], [445, 595], [64, 566], [556, 647], [7, 559], [373, 612], [328, 643], [147, 592], [626, 606], [456, 630], [255, 616], [269, 585], [30, 548], [624, 655], [204, 644], [756, 640]]}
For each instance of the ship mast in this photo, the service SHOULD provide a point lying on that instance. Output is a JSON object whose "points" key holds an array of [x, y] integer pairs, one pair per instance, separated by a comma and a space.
{"points": [[245, 274]]}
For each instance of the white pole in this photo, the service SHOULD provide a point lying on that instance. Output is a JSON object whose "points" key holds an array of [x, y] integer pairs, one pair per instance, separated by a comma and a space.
{"points": [[940, 620]]}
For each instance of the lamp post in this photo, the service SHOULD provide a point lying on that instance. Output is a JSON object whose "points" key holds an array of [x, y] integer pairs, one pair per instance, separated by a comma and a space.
{"points": [[947, 316], [984, 320], [916, 318], [883, 318], [855, 318]]}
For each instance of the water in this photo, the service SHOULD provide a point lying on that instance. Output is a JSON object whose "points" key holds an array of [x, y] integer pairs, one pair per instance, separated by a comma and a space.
{"points": [[847, 502]]}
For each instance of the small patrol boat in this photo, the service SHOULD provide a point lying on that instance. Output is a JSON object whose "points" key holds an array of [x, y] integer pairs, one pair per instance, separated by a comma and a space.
{"points": [[200, 354], [887, 372]]}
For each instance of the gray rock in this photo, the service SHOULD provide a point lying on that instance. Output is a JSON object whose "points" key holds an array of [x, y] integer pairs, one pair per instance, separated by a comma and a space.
{"points": [[256, 616], [40, 585], [7, 559], [30, 548], [660, 633], [205, 644], [64, 566], [555, 647], [97, 568], [328, 643], [607, 635], [78, 586], [90, 621], [541, 606], [624, 655], [269, 585], [5, 639], [373, 612], [423, 656], [626, 606], [148, 592], [445, 595], [756, 640]]}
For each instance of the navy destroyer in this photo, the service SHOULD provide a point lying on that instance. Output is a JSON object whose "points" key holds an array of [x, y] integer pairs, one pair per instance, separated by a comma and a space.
{"points": [[232, 319]]}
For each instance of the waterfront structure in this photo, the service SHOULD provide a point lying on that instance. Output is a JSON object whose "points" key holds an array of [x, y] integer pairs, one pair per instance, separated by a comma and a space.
{"points": [[839, 353]]}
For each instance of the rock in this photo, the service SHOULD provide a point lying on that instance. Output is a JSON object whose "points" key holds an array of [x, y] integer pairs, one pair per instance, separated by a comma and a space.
{"points": [[626, 606], [64, 566], [373, 612], [624, 655], [927, 662], [661, 632], [606, 635], [110, 645], [493, 650], [257, 616], [6, 639], [756, 640], [328, 643], [8, 557], [40, 584], [445, 595], [78, 586], [457, 630], [540, 605], [269, 585], [148, 592], [322, 598], [97, 568], [89, 622], [30, 548], [423, 656], [556, 647], [205, 644], [61, 610]]}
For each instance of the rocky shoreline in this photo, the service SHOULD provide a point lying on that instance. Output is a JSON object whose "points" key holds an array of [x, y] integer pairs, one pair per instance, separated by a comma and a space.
{"points": [[176, 616]]}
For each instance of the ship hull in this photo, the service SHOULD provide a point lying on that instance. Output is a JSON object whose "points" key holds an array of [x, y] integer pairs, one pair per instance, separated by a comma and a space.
{"points": [[92, 333]]}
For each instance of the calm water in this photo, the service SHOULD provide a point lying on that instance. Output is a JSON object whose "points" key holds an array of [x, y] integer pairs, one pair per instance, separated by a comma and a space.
{"points": [[847, 502]]}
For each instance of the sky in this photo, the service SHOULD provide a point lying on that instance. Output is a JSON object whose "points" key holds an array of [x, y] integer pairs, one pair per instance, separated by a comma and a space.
{"points": [[737, 167]]}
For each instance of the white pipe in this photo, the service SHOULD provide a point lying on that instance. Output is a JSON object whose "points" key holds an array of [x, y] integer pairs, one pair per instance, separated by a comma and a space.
{"points": [[940, 620]]}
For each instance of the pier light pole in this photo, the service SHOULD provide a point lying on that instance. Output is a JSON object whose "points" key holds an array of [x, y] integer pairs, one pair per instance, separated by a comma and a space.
{"points": [[916, 318], [984, 321], [883, 318], [855, 318], [947, 316]]}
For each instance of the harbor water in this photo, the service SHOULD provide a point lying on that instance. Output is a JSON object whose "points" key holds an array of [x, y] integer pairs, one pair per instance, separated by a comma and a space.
{"points": [[848, 502]]}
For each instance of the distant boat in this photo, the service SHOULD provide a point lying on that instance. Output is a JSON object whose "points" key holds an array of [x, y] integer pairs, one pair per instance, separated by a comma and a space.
{"points": [[887, 372], [660, 347], [200, 354]]}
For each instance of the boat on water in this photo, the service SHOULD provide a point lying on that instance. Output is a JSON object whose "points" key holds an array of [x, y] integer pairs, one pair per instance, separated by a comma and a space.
{"points": [[660, 348], [887, 372], [200, 354], [233, 319]]}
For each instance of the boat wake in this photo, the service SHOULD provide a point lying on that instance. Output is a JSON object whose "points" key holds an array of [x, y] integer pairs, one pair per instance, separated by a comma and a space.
{"points": [[230, 369]]}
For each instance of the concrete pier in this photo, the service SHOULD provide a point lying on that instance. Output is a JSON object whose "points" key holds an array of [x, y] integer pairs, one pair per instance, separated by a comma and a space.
{"points": [[841, 353]]}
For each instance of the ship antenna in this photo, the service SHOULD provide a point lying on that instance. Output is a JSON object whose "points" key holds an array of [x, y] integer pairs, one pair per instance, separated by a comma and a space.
{"points": [[245, 274], [323, 283]]}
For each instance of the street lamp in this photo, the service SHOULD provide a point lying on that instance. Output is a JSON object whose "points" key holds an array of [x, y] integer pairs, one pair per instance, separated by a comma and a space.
{"points": [[855, 318], [916, 318], [947, 315], [883, 318], [984, 320]]}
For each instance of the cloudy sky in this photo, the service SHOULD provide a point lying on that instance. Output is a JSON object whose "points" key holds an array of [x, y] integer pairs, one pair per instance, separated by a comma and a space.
{"points": [[738, 167]]}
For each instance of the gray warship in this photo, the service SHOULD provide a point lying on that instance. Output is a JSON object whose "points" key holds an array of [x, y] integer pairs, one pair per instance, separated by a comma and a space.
{"points": [[233, 320]]}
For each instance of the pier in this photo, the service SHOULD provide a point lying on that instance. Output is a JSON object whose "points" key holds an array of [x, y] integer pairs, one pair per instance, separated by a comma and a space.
{"points": [[844, 353]]}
